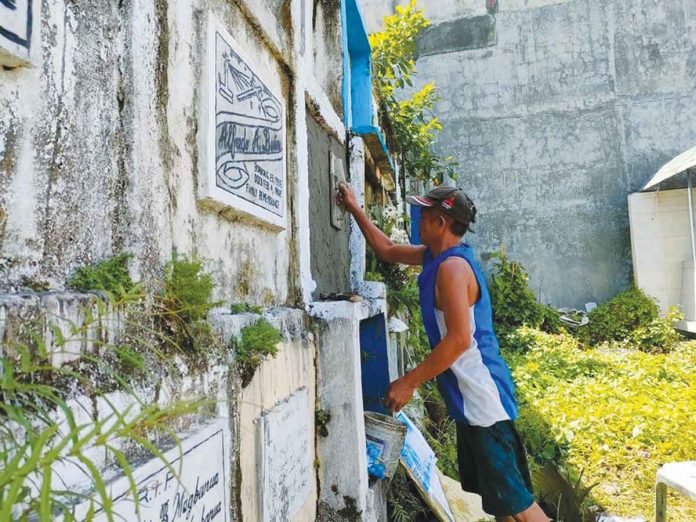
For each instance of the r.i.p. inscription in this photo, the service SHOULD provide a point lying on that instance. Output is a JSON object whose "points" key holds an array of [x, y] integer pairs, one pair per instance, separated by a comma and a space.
{"points": [[193, 489]]}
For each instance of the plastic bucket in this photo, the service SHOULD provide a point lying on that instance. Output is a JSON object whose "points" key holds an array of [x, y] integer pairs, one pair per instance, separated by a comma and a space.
{"points": [[385, 438]]}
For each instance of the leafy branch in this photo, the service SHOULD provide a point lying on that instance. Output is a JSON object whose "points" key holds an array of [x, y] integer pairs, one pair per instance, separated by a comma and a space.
{"points": [[415, 127]]}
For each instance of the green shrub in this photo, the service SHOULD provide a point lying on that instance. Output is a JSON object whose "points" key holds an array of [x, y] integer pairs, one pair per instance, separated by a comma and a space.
{"points": [[616, 319], [514, 303], [659, 336], [188, 289], [185, 304], [254, 344], [551, 322], [110, 275], [241, 308]]}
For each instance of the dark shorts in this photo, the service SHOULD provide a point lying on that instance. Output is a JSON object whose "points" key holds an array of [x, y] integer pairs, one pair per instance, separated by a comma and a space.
{"points": [[493, 464]]}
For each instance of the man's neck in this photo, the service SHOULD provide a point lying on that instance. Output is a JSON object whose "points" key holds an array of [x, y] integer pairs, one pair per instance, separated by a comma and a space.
{"points": [[444, 244]]}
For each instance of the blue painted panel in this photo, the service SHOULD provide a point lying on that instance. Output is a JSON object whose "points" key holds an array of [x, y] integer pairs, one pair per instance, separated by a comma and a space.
{"points": [[357, 68], [375, 363], [347, 109], [415, 224], [361, 91]]}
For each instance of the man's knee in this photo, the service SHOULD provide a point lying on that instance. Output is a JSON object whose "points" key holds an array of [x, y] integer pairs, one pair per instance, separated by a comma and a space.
{"points": [[532, 514]]}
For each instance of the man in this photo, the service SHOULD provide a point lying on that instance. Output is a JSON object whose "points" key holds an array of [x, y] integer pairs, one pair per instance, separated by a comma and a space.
{"points": [[473, 378]]}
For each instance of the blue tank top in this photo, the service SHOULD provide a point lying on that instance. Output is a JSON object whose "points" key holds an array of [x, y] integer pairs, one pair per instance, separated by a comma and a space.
{"points": [[477, 388]]}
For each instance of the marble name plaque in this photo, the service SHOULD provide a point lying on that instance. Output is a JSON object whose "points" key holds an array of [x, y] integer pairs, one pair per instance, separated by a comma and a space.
{"points": [[285, 466], [243, 132], [198, 489]]}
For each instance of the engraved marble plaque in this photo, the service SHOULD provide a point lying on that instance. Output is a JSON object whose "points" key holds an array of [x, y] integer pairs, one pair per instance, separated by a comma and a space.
{"points": [[284, 459], [199, 490]]}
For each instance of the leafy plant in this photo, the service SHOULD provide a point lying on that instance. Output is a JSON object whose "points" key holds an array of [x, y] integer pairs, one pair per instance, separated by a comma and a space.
{"points": [[415, 128], [254, 344], [39, 429], [241, 308], [514, 303], [110, 275], [616, 319], [551, 320], [404, 503], [614, 414], [659, 336], [185, 304]]}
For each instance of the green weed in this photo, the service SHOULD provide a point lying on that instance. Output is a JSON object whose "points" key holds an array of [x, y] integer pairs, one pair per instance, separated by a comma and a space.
{"points": [[39, 427], [254, 344], [110, 275]]}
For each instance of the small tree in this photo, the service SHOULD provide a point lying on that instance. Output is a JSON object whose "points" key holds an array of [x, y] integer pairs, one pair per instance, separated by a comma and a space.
{"points": [[415, 126]]}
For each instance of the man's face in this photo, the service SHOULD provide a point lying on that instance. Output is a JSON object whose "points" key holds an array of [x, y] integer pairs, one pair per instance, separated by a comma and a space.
{"points": [[432, 225]]}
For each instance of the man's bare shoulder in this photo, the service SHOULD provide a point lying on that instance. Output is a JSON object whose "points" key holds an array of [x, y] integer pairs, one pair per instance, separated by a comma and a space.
{"points": [[455, 267]]}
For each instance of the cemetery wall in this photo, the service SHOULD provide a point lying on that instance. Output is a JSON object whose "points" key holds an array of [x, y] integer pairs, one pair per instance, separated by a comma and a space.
{"points": [[556, 110], [160, 128]]}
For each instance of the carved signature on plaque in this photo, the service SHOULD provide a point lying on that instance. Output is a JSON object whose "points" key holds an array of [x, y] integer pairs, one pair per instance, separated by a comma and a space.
{"points": [[249, 126]]}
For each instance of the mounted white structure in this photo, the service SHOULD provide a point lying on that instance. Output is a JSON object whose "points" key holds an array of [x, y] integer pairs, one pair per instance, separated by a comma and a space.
{"points": [[663, 237]]}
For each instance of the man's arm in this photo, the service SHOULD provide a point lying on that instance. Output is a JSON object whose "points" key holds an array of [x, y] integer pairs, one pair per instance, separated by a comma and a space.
{"points": [[453, 281], [384, 247]]}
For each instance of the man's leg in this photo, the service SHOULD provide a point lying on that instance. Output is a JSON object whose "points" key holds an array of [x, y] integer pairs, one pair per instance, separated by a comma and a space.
{"points": [[503, 474], [532, 514]]}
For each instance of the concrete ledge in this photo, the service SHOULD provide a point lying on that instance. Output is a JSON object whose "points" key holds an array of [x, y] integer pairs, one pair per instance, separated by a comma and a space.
{"points": [[290, 321], [330, 310], [71, 323]]}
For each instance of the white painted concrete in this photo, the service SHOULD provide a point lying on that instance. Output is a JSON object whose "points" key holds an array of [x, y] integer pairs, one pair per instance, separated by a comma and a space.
{"points": [[660, 243]]}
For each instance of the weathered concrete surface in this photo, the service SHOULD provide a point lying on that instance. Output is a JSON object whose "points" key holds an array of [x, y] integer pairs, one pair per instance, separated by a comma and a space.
{"points": [[98, 148], [327, 45], [344, 494], [576, 106], [331, 255]]}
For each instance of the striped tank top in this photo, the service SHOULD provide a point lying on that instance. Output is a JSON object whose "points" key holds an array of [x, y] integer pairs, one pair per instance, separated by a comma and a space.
{"points": [[477, 388]]}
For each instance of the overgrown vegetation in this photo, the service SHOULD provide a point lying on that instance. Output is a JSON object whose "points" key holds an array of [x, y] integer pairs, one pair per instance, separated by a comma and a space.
{"points": [[242, 308], [39, 426], [415, 126], [185, 303], [616, 319], [514, 303], [404, 503], [601, 405], [614, 415], [255, 343], [110, 275]]}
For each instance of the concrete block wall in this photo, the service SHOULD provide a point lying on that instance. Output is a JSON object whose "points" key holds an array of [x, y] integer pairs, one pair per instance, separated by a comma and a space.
{"points": [[557, 110]]}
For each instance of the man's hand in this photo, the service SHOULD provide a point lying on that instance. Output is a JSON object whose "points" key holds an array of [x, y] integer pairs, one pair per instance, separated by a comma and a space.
{"points": [[346, 199], [398, 394]]}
